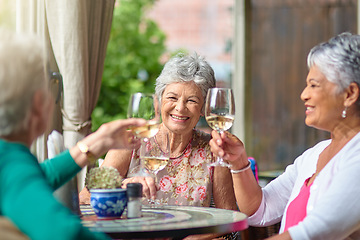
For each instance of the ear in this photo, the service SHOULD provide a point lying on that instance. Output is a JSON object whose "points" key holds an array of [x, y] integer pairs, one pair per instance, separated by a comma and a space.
{"points": [[351, 94], [38, 111]]}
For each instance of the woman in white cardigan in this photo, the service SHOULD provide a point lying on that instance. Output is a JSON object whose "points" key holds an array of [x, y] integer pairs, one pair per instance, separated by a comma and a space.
{"points": [[317, 197]]}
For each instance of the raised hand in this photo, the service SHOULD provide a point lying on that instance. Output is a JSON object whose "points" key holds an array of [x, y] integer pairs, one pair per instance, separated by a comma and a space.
{"points": [[230, 148]]}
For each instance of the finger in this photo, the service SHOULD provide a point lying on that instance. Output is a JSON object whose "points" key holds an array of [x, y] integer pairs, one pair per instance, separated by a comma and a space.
{"points": [[132, 122], [152, 186], [215, 148], [123, 124], [132, 141], [146, 189], [145, 186], [216, 136]]}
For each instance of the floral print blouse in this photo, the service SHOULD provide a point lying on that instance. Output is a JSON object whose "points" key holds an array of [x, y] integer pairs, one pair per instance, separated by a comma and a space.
{"points": [[187, 179]]}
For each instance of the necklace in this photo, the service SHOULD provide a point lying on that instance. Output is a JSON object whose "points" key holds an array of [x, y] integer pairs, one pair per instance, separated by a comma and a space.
{"points": [[181, 154]]}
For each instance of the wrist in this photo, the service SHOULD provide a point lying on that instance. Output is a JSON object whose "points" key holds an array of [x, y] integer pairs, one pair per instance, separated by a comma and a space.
{"points": [[241, 169], [85, 150]]}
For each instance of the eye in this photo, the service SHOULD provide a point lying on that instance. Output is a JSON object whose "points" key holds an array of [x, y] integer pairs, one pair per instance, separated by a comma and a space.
{"points": [[192, 100], [313, 84], [171, 98]]}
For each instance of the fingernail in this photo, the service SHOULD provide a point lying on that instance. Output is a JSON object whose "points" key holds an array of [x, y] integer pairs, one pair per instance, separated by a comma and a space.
{"points": [[218, 141], [221, 153]]}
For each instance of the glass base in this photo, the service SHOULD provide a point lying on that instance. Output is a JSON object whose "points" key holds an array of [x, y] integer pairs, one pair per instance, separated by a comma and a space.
{"points": [[153, 203]]}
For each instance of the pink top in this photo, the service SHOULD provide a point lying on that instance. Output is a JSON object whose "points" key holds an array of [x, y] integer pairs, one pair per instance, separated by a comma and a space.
{"points": [[296, 211]]}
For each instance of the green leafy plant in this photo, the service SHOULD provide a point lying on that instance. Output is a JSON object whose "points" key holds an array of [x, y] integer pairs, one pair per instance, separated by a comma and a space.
{"points": [[133, 60], [103, 178]]}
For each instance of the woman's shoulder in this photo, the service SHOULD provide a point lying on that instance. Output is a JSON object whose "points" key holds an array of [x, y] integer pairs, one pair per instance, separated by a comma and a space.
{"points": [[200, 139], [17, 152]]}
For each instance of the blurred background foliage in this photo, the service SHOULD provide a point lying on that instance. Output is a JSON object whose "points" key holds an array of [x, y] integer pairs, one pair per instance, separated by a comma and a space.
{"points": [[133, 59]]}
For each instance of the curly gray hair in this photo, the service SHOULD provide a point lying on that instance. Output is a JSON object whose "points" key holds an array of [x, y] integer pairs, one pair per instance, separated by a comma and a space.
{"points": [[22, 73], [186, 68], [338, 59]]}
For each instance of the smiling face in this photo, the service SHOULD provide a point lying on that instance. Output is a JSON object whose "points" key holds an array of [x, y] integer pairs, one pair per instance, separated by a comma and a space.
{"points": [[323, 104], [181, 106]]}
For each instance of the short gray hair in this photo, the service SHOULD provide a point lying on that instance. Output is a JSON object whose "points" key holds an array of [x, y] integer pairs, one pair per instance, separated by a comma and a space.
{"points": [[22, 73], [186, 68], [338, 59]]}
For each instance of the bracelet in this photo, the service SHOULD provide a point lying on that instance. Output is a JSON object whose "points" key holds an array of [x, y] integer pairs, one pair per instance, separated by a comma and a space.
{"points": [[241, 170], [85, 149]]}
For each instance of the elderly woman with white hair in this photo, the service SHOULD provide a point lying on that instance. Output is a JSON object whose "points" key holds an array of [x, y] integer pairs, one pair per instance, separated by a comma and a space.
{"points": [[317, 197], [187, 179], [28, 209]]}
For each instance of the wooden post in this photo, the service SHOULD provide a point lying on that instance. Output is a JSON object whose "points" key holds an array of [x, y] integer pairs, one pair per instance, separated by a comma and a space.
{"points": [[358, 16], [238, 80]]}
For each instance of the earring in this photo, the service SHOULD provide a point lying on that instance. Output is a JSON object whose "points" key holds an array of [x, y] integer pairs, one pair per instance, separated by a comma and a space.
{"points": [[343, 114]]}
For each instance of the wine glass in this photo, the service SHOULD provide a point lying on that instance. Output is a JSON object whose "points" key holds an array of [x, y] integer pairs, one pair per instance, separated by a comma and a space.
{"points": [[220, 114], [155, 155], [146, 106]]}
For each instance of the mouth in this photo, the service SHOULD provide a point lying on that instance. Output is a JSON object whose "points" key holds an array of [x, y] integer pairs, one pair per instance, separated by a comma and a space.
{"points": [[309, 109], [179, 118]]}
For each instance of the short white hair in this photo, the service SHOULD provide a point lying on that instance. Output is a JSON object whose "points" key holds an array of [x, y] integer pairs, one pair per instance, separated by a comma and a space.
{"points": [[186, 68], [22, 73], [338, 59]]}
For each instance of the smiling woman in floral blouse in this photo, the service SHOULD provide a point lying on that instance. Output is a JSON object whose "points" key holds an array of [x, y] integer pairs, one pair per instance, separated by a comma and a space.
{"points": [[187, 179]]}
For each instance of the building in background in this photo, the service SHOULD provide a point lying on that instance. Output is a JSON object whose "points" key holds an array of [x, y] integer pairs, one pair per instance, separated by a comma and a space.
{"points": [[203, 26]]}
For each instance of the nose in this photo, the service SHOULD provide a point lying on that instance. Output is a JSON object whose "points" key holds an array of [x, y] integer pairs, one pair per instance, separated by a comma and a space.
{"points": [[180, 106], [304, 95]]}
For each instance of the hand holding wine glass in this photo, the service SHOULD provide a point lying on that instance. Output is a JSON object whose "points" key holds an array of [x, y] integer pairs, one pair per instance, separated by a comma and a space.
{"points": [[220, 114]]}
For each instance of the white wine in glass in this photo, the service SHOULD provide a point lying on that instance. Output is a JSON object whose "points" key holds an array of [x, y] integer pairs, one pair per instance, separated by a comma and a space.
{"points": [[146, 131], [155, 155], [155, 164], [220, 114], [145, 106]]}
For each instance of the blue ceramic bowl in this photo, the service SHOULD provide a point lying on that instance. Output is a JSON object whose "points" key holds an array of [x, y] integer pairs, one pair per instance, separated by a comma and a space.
{"points": [[108, 203]]}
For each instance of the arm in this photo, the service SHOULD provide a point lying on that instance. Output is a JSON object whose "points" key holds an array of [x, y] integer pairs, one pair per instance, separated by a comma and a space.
{"points": [[27, 199], [59, 169], [119, 159], [112, 135], [247, 191], [223, 191]]}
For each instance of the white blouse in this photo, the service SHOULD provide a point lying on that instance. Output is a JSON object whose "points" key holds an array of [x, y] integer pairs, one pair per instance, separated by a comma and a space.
{"points": [[333, 209]]}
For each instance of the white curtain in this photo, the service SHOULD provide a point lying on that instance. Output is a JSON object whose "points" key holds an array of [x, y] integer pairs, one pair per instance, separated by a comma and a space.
{"points": [[29, 16], [79, 31]]}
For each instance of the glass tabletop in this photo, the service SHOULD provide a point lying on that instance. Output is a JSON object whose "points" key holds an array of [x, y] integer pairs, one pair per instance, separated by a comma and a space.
{"points": [[170, 221]]}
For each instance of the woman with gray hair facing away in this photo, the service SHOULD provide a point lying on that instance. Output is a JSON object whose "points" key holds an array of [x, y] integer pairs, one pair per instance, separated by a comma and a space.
{"points": [[187, 179], [28, 209], [317, 197]]}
